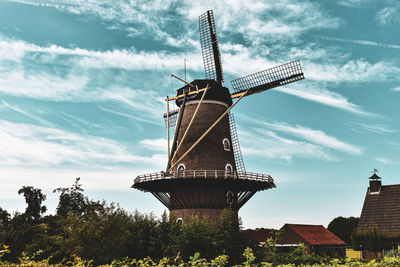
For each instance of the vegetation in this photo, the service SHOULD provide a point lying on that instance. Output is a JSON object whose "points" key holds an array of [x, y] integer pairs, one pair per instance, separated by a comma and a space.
{"points": [[99, 232], [85, 232], [343, 227], [374, 240]]}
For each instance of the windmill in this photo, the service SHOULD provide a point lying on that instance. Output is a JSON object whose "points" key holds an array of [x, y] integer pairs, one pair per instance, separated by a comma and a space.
{"points": [[205, 171]]}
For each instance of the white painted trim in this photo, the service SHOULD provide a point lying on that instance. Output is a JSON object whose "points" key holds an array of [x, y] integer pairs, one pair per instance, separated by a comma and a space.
{"points": [[228, 165], [229, 144], [180, 165], [192, 102]]}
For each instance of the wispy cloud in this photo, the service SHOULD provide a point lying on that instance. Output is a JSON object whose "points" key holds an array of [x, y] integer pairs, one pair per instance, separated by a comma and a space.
{"points": [[30, 145], [376, 128], [41, 85], [389, 15], [324, 97], [395, 89], [353, 3], [5, 105], [155, 144], [118, 58], [359, 70], [248, 18], [317, 137], [361, 42], [267, 144]]}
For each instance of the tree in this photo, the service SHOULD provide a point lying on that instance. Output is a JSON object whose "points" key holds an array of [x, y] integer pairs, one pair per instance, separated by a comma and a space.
{"points": [[343, 227], [34, 199], [71, 200]]}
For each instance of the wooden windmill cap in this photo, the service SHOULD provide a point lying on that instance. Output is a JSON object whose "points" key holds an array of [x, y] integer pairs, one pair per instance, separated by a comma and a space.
{"points": [[216, 92]]}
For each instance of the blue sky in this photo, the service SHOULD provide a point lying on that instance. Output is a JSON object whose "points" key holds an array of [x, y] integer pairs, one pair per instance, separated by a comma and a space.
{"points": [[83, 83]]}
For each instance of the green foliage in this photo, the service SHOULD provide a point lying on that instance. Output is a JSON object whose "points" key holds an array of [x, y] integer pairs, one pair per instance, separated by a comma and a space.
{"points": [[374, 240], [297, 255], [34, 199], [71, 200], [343, 227]]}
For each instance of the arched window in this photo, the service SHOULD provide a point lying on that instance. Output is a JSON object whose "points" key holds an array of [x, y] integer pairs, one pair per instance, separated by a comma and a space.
{"points": [[228, 170], [181, 170], [179, 221], [226, 144], [229, 198]]}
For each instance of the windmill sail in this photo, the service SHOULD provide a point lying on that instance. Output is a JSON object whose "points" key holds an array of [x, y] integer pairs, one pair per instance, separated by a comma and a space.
{"points": [[209, 47], [237, 153], [268, 79], [172, 117]]}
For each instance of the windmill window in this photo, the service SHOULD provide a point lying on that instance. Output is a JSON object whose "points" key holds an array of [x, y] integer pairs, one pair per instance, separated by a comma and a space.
{"points": [[228, 170], [226, 144], [181, 170], [229, 198]]}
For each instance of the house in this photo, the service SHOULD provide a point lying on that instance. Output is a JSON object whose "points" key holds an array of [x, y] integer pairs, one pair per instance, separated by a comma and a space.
{"points": [[381, 209], [260, 234], [317, 239]]}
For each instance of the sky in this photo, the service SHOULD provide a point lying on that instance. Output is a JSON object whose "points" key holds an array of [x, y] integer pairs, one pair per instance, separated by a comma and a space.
{"points": [[83, 83]]}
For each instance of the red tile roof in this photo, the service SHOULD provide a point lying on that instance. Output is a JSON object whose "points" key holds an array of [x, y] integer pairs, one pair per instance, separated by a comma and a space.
{"points": [[316, 234], [260, 235]]}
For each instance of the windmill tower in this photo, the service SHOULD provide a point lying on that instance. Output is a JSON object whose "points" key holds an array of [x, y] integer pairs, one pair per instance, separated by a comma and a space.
{"points": [[205, 171]]}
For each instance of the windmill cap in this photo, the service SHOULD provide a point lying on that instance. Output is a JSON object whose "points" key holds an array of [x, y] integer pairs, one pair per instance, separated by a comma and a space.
{"points": [[215, 92]]}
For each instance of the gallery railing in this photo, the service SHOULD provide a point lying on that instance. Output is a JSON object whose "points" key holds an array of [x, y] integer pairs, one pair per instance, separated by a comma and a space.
{"points": [[204, 174]]}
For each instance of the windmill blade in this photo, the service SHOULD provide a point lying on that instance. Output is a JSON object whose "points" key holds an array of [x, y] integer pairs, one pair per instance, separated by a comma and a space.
{"points": [[237, 152], [172, 117], [209, 47], [267, 79]]}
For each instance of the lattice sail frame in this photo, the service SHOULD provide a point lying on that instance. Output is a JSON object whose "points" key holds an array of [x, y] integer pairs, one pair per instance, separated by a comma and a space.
{"points": [[270, 78], [209, 47], [172, 117]]}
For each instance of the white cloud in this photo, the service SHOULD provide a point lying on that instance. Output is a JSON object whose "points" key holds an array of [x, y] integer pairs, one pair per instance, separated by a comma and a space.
{"points": [[41, 85], [388, 16], [253, 19], [395, 89], [361, 42], [268, 144], [324, 97], [155, 144], [353, 3], [117, 58], [376, 128], [358, 70], [314, 136], [26, 144]]}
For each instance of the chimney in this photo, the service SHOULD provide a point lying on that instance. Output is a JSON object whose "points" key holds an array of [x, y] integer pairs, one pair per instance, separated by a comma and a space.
{"points": [[375, 184]]}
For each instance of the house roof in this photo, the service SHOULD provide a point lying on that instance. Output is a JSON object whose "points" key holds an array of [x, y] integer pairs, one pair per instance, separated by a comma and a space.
{"points": [[381, 209], [260, 235], [315, 234]]}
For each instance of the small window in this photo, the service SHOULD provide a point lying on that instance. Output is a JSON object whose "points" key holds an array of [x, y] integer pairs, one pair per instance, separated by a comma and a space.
{"points": [[226, 144], [229, 198], [228, 170], [179, 221], [181, 170]]}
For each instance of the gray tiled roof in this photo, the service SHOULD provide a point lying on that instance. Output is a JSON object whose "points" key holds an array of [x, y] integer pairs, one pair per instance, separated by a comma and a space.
{"points": [[382, 210]]}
